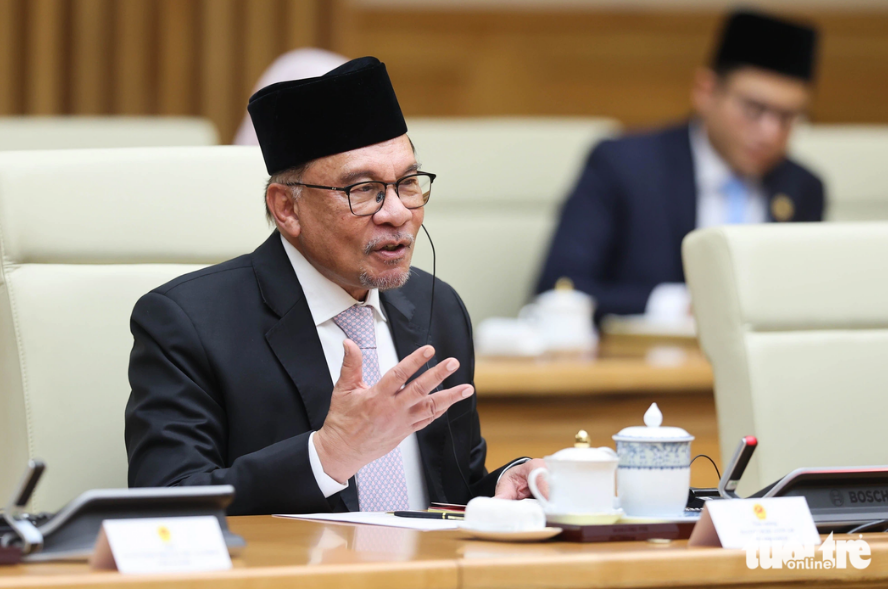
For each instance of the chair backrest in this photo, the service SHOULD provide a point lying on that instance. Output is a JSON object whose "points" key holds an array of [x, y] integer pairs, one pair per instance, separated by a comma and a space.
{"points": [[794, 318], [500, 186], [851, 160], [83, 234], [27, 132]]}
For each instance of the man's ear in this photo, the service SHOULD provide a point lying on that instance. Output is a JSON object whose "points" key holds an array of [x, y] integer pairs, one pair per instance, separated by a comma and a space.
{"points": [[703, 90], [284, 208]]}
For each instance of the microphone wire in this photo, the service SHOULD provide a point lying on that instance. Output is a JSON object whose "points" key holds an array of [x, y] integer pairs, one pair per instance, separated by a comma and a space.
{"points": [[428, 342]]}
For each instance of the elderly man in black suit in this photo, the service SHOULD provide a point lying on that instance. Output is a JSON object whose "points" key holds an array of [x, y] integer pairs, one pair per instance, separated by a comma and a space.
{"points": [[233, 367]]}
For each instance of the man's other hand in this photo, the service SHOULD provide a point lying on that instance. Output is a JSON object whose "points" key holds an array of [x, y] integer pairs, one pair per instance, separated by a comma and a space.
{"points": [[513, 483], [367, 422]]}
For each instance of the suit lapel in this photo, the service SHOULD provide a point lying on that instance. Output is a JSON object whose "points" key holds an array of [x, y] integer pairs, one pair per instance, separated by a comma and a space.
{"points": [[408, 337], [782, 194], [294, 339]]}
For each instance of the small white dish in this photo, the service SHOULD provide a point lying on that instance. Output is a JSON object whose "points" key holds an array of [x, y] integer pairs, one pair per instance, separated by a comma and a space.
{"points": [[519, 536], [586, 519]]}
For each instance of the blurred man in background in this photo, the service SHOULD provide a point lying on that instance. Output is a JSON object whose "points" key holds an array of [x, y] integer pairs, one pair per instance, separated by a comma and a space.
{"points": [[620, 232]]}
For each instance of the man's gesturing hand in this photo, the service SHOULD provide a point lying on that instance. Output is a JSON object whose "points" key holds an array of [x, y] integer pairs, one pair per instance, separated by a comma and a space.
{"points": [[367, 422]]}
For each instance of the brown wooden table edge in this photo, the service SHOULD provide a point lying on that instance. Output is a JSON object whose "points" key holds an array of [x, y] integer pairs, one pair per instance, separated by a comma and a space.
{"points": [[441, 574], [600, 377], [675, 566]]}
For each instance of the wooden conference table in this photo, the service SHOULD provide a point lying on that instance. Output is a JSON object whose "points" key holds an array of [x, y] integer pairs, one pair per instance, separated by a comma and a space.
{"points": [[533, 407], [309, 555]]}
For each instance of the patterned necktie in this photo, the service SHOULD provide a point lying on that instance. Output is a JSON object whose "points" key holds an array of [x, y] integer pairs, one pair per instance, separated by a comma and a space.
{"points": [[381, 484], [737, 194]]}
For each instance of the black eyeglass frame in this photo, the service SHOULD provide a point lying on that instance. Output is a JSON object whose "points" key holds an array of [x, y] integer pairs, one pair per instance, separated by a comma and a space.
{"points": [[397, 183]]}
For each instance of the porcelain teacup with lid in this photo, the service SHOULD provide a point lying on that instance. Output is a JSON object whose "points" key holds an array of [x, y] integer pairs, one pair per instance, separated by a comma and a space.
{"points": [[581, 479], [654, 472]]}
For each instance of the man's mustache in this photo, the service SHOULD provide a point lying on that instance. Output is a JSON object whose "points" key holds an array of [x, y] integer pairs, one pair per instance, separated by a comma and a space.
{"points": [[404, 239]]}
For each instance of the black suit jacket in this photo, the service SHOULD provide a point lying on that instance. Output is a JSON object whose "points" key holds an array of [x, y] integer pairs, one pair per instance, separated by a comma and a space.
{"points": [[229, 379], [621, 229]]}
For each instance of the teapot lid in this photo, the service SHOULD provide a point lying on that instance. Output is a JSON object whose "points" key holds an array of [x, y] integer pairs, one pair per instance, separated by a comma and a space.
{"points": [[652, 430], [564, 296], [582, 452]]}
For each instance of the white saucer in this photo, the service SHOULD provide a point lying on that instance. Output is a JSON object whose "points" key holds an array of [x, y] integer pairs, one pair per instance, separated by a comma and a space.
{"points": [[585, 519], [659, 519], [525, 536]]}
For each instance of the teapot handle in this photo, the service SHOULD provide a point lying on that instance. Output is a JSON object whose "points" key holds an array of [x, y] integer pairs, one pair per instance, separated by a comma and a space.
{"points": [[531, 482]]}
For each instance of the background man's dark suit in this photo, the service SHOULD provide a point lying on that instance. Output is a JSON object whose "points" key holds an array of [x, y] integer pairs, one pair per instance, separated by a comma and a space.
{"points": [[229, 379], [620, 230]]}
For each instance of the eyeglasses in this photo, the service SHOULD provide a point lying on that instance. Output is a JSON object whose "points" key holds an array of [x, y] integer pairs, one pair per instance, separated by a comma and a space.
{"points": [[365, 199], [755, 111]]}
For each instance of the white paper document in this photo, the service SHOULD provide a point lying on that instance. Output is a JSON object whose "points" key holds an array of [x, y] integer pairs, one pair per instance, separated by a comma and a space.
{"points": [[375, 518]]}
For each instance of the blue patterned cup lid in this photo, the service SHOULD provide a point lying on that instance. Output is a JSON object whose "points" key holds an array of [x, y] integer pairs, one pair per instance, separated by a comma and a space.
{"points": [[653, 431]]}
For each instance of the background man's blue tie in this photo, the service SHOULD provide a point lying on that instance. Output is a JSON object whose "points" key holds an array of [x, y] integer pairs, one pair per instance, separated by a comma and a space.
{"points": [[737, 197]]}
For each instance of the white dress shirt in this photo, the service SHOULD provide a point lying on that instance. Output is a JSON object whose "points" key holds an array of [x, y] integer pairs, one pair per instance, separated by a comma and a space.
{"points": [[326, 300], [711, 173]]}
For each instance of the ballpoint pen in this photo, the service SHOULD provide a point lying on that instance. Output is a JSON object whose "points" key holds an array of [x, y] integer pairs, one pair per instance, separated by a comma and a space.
{"points": [[428, 515]]}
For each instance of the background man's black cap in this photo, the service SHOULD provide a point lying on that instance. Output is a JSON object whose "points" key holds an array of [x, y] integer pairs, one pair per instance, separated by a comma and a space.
{"points": [[349, 107], [753, 38]]}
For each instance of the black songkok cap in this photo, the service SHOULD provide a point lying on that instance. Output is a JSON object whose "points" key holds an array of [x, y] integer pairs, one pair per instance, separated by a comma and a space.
{"points": [[349, 107], [753, 38]]}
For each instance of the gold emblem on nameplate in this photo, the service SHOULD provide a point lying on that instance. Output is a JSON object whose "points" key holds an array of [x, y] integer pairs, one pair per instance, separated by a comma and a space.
{"points": [[782, 208]]}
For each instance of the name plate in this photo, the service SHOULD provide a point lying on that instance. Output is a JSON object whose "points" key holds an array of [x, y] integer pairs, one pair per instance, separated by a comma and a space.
{"points": [[161, 545], [740, 523]]}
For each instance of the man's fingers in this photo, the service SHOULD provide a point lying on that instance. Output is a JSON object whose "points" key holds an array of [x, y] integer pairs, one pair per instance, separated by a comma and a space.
{"points": [[351, 374], [394, 379], [434, 406], [506, 490], [426, 382]]}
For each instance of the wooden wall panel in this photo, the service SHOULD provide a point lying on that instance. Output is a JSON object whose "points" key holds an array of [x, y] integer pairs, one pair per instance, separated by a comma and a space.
{"points": [[177, 57], [134, 53], [44, 71], [203, 57], [143, 57], [90, 56], [262, 40], [11, 51], [634, 66], [220, 68], [302, 25]]}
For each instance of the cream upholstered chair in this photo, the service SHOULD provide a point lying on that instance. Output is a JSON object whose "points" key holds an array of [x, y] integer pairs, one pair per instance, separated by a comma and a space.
{"points": [[500, 186], [83, 234], [794, 319], [851, 160], [82, 132]]}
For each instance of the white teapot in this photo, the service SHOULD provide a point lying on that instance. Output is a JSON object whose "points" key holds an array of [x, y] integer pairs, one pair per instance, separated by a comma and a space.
{"points": [[564, 318], [581, 479]]}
